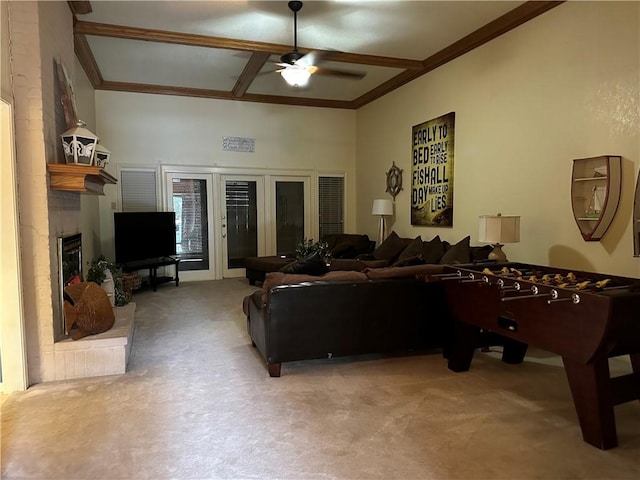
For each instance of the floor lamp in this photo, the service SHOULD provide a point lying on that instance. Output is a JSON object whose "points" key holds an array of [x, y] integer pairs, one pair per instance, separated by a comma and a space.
{"points": [[383, 208], [499, 229]]}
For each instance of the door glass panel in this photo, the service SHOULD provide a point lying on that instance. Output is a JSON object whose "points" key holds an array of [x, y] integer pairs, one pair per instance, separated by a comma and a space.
{"points": [[192, 232], [289, 216], [242, 222]]}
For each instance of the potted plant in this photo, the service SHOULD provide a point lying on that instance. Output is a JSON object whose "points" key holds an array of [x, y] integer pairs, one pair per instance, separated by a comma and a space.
{"points": [[307, 246], [109, 276]]}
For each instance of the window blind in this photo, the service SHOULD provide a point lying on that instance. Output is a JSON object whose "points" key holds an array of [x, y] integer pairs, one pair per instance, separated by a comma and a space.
{"points": [[331, 205], [138, 190]]}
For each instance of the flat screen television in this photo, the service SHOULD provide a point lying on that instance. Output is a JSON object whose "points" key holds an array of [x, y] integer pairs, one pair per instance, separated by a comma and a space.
{"points": [[144, 235]]}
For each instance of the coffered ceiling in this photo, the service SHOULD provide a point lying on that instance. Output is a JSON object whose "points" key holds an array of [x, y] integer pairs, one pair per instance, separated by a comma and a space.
{"points": [[229, 49]]}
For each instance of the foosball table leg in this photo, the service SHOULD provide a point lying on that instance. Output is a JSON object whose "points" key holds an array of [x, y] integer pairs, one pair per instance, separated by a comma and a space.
{"points": [[635, 362], [514, 351], [590, 388], [466, 338]]}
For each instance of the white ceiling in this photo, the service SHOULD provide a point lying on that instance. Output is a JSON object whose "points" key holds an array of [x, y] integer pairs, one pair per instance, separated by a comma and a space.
{"points": [[411, 30]]}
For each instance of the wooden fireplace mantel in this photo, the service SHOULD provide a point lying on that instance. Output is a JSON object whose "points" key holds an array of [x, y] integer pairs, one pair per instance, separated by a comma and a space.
{"points": [[79, 178]]}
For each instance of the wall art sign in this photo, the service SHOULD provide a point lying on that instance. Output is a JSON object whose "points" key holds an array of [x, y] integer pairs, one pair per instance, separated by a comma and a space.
{"points": [[67, 96], [432, 172], [238, 144]]}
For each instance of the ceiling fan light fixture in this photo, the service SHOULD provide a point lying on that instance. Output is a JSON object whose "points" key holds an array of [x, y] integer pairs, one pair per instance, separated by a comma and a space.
{"points": [[296, 77]]}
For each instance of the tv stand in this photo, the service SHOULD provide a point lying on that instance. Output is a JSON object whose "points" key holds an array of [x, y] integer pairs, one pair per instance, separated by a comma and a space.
{"points": [[152, 264]]}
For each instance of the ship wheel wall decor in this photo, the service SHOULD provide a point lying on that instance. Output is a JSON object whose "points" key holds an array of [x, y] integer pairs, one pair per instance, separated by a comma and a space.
{"points": [[394, 181]]}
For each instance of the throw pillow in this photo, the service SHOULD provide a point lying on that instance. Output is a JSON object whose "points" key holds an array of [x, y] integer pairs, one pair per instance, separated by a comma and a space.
{"points": [[432, 250], [481, 254], [414, 260], [412, 253], [312, 264], [350, 245], [458, 253], [390, 248], [331, 240]]}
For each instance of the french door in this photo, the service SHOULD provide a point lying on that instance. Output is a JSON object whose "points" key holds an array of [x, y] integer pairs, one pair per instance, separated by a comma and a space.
{"points": [[190, 196], [243, 226], [223, 218]]}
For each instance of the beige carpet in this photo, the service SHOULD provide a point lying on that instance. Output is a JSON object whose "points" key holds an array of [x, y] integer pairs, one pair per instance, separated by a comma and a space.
{"points": [[198, 403]]}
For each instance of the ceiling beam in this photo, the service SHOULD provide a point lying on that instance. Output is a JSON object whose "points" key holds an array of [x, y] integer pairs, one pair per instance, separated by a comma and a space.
{"points": [[222, 95], [195, 40], [87, 60], [80, 7], [248, 75], [261, 51]]}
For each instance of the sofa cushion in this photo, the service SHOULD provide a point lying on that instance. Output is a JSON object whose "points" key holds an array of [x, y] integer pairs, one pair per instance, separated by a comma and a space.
{"points": [[267, 264], [432, 250], [403, 272], [412, 253], [312, 264], [256, 297], [273, 279], [356, 265], [390, 248], [458, 253]]}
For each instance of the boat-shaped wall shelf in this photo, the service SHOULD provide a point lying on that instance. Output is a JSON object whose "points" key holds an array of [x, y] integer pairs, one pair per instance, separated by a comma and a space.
{"points": [[595, 193], [79, 178], [636, 220]]}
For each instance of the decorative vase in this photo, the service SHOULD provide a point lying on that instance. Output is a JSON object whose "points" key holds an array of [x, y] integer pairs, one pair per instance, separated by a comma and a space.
{"points": [[108, 286]]}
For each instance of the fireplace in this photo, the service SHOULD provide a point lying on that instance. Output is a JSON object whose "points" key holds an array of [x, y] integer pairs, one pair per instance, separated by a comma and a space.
{"points": [[69, 265]]}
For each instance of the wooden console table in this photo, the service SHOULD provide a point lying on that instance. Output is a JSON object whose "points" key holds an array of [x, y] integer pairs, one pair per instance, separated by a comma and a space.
{"points": [[153, 264]]}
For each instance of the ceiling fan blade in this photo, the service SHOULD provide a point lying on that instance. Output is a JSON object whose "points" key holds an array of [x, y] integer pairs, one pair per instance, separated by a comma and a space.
{"points": [[311, 59], [334, 72]]}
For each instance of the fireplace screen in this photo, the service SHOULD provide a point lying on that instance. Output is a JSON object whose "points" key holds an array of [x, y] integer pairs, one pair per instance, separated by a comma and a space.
{"points": [[70, 263]]}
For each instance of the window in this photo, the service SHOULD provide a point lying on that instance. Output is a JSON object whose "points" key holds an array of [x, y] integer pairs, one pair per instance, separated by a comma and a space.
{"points": [[138, 189], [331, 205]]}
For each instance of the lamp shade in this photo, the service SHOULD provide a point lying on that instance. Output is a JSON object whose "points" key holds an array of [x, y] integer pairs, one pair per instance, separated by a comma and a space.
{"points": [[295, 75], [79, 144], [382, 207], [499, 229]]}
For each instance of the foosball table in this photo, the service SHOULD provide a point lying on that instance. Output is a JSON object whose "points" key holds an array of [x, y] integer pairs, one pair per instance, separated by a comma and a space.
{"points": [[586, 318]]}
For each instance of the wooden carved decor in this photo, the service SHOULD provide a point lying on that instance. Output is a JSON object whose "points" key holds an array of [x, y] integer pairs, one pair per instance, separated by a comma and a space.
{"points": [[394, 180], [595, 193]]}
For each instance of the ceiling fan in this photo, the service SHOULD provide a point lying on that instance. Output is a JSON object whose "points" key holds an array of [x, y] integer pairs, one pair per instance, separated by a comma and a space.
{"points": [[297, 67]]}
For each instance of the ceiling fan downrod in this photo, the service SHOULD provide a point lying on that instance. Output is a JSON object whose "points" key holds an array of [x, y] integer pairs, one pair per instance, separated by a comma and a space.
{"points": [[291, 57]]}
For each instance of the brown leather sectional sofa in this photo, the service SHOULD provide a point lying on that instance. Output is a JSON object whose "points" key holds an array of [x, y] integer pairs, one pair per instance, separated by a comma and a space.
{"points": [[360, 311], [332, 316]]}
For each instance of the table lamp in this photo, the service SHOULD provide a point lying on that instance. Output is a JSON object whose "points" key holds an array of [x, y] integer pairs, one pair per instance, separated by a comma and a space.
{"points": [[499, 229], [382, 207]]}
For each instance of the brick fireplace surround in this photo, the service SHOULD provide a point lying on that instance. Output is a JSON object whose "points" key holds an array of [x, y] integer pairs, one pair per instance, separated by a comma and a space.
{"points": [[39, 34]]}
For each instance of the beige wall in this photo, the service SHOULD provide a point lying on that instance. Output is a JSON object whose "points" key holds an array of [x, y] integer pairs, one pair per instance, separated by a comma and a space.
{"points": [[563, 86], [89, 204], [157, 130]]}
